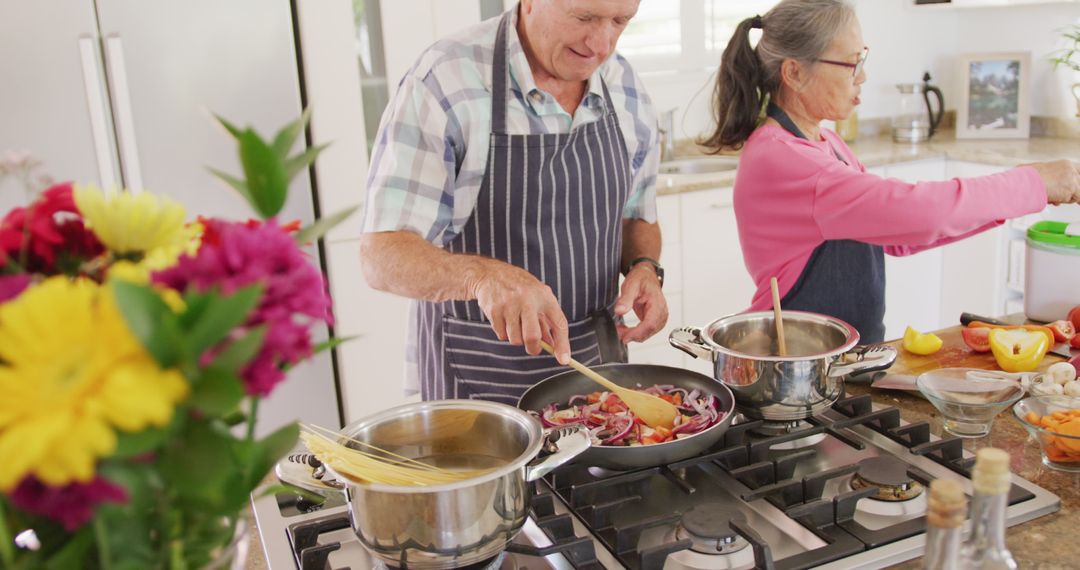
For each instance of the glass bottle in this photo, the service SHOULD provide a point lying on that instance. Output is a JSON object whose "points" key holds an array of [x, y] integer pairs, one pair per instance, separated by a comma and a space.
{"points": [[945, 515], [991, 480]]}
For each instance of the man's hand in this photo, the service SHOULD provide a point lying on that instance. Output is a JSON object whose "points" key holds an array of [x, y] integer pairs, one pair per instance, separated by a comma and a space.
{"points": [[641, 292], [521, 308]]}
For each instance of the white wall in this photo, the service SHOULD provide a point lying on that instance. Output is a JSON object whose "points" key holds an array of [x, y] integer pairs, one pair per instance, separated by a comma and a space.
{"points": [[904, 42]]}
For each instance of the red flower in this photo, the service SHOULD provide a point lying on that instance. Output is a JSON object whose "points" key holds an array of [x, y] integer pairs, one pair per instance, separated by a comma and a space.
{"points": [[71, 505], [48, 235]]}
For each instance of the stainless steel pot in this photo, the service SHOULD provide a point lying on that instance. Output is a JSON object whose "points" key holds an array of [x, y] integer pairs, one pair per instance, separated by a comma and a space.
{"points": [[806, 382], [462, 523]]}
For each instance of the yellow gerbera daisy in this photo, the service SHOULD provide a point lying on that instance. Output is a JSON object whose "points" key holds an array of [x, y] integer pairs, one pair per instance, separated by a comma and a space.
{"points": [[132, 223], [71, 374]]}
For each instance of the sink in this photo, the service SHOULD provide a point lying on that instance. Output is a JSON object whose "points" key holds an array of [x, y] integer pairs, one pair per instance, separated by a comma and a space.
{"points": [[699, 165]]}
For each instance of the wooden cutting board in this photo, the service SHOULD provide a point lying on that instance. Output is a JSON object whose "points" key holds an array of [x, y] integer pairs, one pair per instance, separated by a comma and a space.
{"points": [[953, 354]]}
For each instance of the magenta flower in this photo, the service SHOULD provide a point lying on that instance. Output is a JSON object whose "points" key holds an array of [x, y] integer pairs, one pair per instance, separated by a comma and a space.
{"points": [[234, 255], [12, 285], [71, 505]]}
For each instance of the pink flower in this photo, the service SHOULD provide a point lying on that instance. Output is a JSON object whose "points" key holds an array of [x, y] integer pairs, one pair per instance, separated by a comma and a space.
{"points": [[12, 285], [71, 505], [234, 255], [49, 234]]}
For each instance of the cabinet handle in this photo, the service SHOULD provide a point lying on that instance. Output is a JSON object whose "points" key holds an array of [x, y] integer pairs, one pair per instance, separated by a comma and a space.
{"points": [[99, 122], [125, 124]]}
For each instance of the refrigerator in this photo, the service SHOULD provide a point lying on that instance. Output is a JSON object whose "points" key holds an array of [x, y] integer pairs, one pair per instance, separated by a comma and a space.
{"points": [[122, 93]]}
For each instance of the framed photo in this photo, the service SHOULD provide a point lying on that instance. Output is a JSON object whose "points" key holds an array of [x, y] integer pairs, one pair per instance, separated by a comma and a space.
{"points": [[994, 96]]}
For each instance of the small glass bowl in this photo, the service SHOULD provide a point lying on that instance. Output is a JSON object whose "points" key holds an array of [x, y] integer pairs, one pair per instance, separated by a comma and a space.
{"points": [[1059, 451], [969, 399]]}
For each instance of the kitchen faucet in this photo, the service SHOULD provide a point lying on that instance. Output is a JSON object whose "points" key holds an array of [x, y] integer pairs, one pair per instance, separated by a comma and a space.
{"points": [[667, 134]]}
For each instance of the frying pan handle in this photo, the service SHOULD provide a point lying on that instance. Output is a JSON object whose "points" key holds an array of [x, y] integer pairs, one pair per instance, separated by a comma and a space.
{"points": [[866, 359], [688, 340], [568, 442]]}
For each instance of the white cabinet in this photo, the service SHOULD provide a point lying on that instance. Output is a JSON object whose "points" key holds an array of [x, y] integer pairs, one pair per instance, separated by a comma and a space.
{"points": [[912, 292], [656, 350]]}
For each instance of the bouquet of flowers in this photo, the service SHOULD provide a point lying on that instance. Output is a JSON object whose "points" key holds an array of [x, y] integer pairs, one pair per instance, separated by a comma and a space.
{"points": [[135, 344]]}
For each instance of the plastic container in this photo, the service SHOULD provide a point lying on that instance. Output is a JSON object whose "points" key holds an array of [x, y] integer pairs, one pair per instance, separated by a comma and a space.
{"points": [[1051, 271]]}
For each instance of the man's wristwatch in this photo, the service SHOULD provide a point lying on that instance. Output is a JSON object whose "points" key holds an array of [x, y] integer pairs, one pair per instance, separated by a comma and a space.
{"points": [[656, 266]]}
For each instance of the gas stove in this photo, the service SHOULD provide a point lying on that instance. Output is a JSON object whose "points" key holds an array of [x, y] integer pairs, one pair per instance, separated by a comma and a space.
{"points": [[843, 490]]}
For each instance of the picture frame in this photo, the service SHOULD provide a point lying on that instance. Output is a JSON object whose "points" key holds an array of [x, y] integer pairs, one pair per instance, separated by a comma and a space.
{"points": [[994, 91]]}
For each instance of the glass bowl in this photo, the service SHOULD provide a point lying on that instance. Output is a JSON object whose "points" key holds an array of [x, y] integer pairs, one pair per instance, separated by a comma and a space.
{"points": [[969, 399], [1059, 450]]}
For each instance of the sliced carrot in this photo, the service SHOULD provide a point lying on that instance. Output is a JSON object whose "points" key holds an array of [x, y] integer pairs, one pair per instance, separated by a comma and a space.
{"points": [[1033, 418]]}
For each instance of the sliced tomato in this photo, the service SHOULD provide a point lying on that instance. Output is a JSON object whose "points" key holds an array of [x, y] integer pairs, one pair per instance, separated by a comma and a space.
{"points": [[1075, 342], [593, 398], [1063, 330], [977, 339]]}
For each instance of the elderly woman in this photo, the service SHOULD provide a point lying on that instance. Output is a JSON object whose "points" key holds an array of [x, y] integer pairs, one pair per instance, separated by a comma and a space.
{"points": [[807, 210]]}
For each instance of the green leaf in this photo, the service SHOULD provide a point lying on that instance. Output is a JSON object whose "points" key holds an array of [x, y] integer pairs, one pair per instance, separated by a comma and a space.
{"points": [[286, 137], [233, 129], [201, 466], [220, 317], [236, 183], [148, 317], [332, 343], [137, 443], [265, 174], [195, 305], [319, 227], [240, 351], [269, 450], [294, 165], [75, 553], [217, 391]]}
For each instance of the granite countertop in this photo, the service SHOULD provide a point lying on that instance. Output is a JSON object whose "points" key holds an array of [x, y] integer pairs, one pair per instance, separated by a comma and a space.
{"points": [[878, 151]]}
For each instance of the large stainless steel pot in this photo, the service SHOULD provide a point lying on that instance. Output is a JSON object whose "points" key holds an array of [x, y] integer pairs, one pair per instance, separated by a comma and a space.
{"points": [[806, 382], [561, 387], [462, 523]]}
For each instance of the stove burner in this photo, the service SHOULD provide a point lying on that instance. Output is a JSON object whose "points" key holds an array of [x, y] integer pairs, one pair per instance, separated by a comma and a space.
{"points": [[707, 528], [492, 563], [774, 428], [890, 476]]}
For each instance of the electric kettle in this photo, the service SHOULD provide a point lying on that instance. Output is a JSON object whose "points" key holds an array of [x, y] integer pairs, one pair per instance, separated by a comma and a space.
{"points": [[915, 120]]}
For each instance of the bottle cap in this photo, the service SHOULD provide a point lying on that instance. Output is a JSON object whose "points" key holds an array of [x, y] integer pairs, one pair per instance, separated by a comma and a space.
{"points": [[947, 506], [991, 473]]}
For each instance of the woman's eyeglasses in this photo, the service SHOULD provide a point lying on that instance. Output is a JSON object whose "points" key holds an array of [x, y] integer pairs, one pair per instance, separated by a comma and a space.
{"points": [[855, 67]]}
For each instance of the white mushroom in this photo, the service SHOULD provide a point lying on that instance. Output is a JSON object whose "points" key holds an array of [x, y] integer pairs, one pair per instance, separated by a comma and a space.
{"points": [[1047, 389], [1061, 373], [1073, 388]]}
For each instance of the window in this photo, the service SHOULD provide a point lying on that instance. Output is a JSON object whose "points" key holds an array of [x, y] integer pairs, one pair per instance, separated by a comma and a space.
{"points": [[678, 35]]}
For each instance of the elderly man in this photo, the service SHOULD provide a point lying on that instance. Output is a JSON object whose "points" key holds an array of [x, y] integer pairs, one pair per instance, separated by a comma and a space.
{"points": [[513, 179]]}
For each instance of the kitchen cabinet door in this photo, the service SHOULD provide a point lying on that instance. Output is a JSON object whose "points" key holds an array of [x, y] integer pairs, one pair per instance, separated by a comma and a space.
{"points": [[715, 280], [913, 283], [974, 270], [171, 66]]}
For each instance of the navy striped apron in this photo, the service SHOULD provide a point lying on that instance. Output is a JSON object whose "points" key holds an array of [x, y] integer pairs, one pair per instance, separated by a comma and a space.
{"points": [[843, 278], [551, 204]]}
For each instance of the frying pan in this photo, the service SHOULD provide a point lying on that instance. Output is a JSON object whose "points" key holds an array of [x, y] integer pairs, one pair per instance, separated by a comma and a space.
{"points": [[559, 388]]}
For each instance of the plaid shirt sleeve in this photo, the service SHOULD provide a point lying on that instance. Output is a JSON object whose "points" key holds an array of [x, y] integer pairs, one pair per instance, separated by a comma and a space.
{"points": [[640, 129], [412, 176]]}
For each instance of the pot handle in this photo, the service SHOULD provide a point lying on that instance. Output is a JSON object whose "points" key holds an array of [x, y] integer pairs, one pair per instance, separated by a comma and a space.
{"points": [[862, 359], [567, 441], [688, 340]]}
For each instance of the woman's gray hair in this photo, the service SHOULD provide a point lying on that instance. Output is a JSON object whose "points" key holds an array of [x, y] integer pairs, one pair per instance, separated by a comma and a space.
{"points": [[800, 30]]}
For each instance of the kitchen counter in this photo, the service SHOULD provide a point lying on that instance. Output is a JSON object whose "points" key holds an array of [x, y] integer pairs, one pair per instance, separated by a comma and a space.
{"points": [[1048, 542], [882, 151]]}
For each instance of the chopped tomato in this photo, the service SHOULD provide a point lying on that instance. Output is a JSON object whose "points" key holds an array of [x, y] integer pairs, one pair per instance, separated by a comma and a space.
{"points": [[593, 398], [677, 399], [977, 339], [663, 432], [1063, 330], [667, 397], [651, 439], [1075, 342]]}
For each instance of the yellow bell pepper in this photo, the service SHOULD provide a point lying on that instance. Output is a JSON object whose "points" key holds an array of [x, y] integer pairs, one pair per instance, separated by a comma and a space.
{"points": [[1018, 350], [918, 343]]}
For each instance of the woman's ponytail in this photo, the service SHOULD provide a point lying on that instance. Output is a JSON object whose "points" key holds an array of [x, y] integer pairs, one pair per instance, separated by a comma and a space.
{"points": [[737, 97]]}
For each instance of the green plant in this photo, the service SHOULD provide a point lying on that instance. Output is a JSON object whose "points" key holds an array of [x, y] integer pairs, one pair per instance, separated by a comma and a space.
{"points": [[1069, 56]]}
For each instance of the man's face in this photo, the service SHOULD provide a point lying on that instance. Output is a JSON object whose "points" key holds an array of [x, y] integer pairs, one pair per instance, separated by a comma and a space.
{"points": [[571, 38]]}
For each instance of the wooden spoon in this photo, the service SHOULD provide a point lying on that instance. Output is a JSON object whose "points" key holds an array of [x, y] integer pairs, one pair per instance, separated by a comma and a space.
{"points": [[652, 410], [778, 318]]}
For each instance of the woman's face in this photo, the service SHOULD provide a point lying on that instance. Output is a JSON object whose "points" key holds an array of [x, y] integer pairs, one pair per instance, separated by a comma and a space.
{"points": [[831, 91]]}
